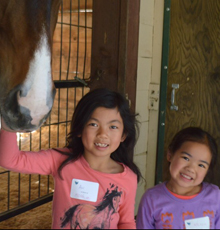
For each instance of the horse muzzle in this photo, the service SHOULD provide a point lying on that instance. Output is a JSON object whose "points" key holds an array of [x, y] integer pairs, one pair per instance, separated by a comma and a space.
{"points": [[19, 118]]}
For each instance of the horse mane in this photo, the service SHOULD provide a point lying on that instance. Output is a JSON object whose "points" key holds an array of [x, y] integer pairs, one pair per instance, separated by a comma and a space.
{"points": [[107, 199]]}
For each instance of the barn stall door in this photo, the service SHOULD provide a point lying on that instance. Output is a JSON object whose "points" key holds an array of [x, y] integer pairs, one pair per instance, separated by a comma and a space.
{"points": [[193, 76]]}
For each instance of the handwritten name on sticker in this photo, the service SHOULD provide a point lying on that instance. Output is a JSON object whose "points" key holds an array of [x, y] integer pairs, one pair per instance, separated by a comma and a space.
{"points": [[198, 223], [84, 190]]}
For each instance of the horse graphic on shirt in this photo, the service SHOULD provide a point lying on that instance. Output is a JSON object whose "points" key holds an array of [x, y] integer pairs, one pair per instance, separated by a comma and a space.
{"points": [[87, 216]]}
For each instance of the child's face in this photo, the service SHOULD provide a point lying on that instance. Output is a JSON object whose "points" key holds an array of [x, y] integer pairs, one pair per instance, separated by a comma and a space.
{"points": [[189, 164], [103, 133]]}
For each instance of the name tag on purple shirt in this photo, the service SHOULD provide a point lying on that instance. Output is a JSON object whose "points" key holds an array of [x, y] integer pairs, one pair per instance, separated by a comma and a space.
{"points": [[198, 223]]}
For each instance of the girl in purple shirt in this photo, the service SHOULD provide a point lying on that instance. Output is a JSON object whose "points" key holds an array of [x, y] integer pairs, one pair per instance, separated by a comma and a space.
{"points": [[184, 201]]}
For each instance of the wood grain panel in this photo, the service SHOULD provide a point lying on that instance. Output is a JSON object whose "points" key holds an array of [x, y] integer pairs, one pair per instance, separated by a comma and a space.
{"points": [[194, 63]]}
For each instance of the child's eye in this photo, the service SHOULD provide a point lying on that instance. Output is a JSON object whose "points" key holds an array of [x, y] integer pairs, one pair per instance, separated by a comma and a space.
{"points": [[186, 158], [202, 166], [93, 124], [113, 127]]}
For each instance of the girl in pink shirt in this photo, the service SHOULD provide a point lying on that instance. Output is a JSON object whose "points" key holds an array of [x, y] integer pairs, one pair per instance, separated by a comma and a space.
{"points": [[95, 177]]}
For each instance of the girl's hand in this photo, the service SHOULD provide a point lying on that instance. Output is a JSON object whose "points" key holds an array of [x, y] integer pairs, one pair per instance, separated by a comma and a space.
{"points": [[3, 125]]}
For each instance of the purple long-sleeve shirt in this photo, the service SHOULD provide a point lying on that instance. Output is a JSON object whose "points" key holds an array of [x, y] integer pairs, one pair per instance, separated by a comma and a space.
{"points": [[159, 209]]}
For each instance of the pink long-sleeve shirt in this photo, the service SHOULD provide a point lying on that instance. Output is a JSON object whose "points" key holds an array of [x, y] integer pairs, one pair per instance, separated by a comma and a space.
{"points": [[85, 197]]}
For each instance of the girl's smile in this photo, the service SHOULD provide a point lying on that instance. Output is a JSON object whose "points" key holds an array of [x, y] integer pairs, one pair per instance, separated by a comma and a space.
{"points": [[101, 145], [188, 167], [186, 176]]}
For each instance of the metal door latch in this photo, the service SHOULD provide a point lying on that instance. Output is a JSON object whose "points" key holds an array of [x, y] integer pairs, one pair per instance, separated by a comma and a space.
{"points": [[173, 106]]}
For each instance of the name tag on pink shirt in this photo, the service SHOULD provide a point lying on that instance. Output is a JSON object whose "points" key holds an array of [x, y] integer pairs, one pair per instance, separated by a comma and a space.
{"points": [[84, 190], [198, 223]]}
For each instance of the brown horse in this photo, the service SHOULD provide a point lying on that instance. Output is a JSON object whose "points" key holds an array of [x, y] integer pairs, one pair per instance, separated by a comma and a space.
{"points": [[87, 216], [26, 87]]}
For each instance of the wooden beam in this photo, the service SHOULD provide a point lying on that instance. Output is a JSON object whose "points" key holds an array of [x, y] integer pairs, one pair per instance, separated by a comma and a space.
{"points": [[115, 46], [105, 44], [128, 49]]}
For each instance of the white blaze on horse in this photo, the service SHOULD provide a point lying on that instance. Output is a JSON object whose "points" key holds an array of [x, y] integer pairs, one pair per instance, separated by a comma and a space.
{"points": [[26, 87]]}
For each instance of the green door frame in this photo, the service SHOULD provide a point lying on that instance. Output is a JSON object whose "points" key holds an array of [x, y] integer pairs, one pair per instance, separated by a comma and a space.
{"points": [[163, 92]]}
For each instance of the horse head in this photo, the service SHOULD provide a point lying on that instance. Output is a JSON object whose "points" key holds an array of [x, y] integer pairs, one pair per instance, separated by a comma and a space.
{"points": [[26, 88], [113, 198]]}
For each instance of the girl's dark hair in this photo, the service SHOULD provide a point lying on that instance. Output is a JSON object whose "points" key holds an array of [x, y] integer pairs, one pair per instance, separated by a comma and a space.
{"points": [[196, 134], [106, 98]]}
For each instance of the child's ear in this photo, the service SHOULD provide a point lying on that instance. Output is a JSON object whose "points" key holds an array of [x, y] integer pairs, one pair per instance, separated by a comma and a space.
{"points": [[169, 155], [123, 137]]}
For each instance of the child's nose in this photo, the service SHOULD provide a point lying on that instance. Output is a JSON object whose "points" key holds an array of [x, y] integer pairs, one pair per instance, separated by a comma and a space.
{"points": [[191, 167], [102, 132]]}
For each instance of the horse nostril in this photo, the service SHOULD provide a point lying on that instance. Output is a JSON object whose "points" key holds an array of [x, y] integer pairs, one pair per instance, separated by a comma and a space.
{"points": [[21, 92]]}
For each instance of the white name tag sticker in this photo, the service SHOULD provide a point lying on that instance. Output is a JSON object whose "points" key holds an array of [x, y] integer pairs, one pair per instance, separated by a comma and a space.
{"points": [[84, 190], [198, 223]]}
